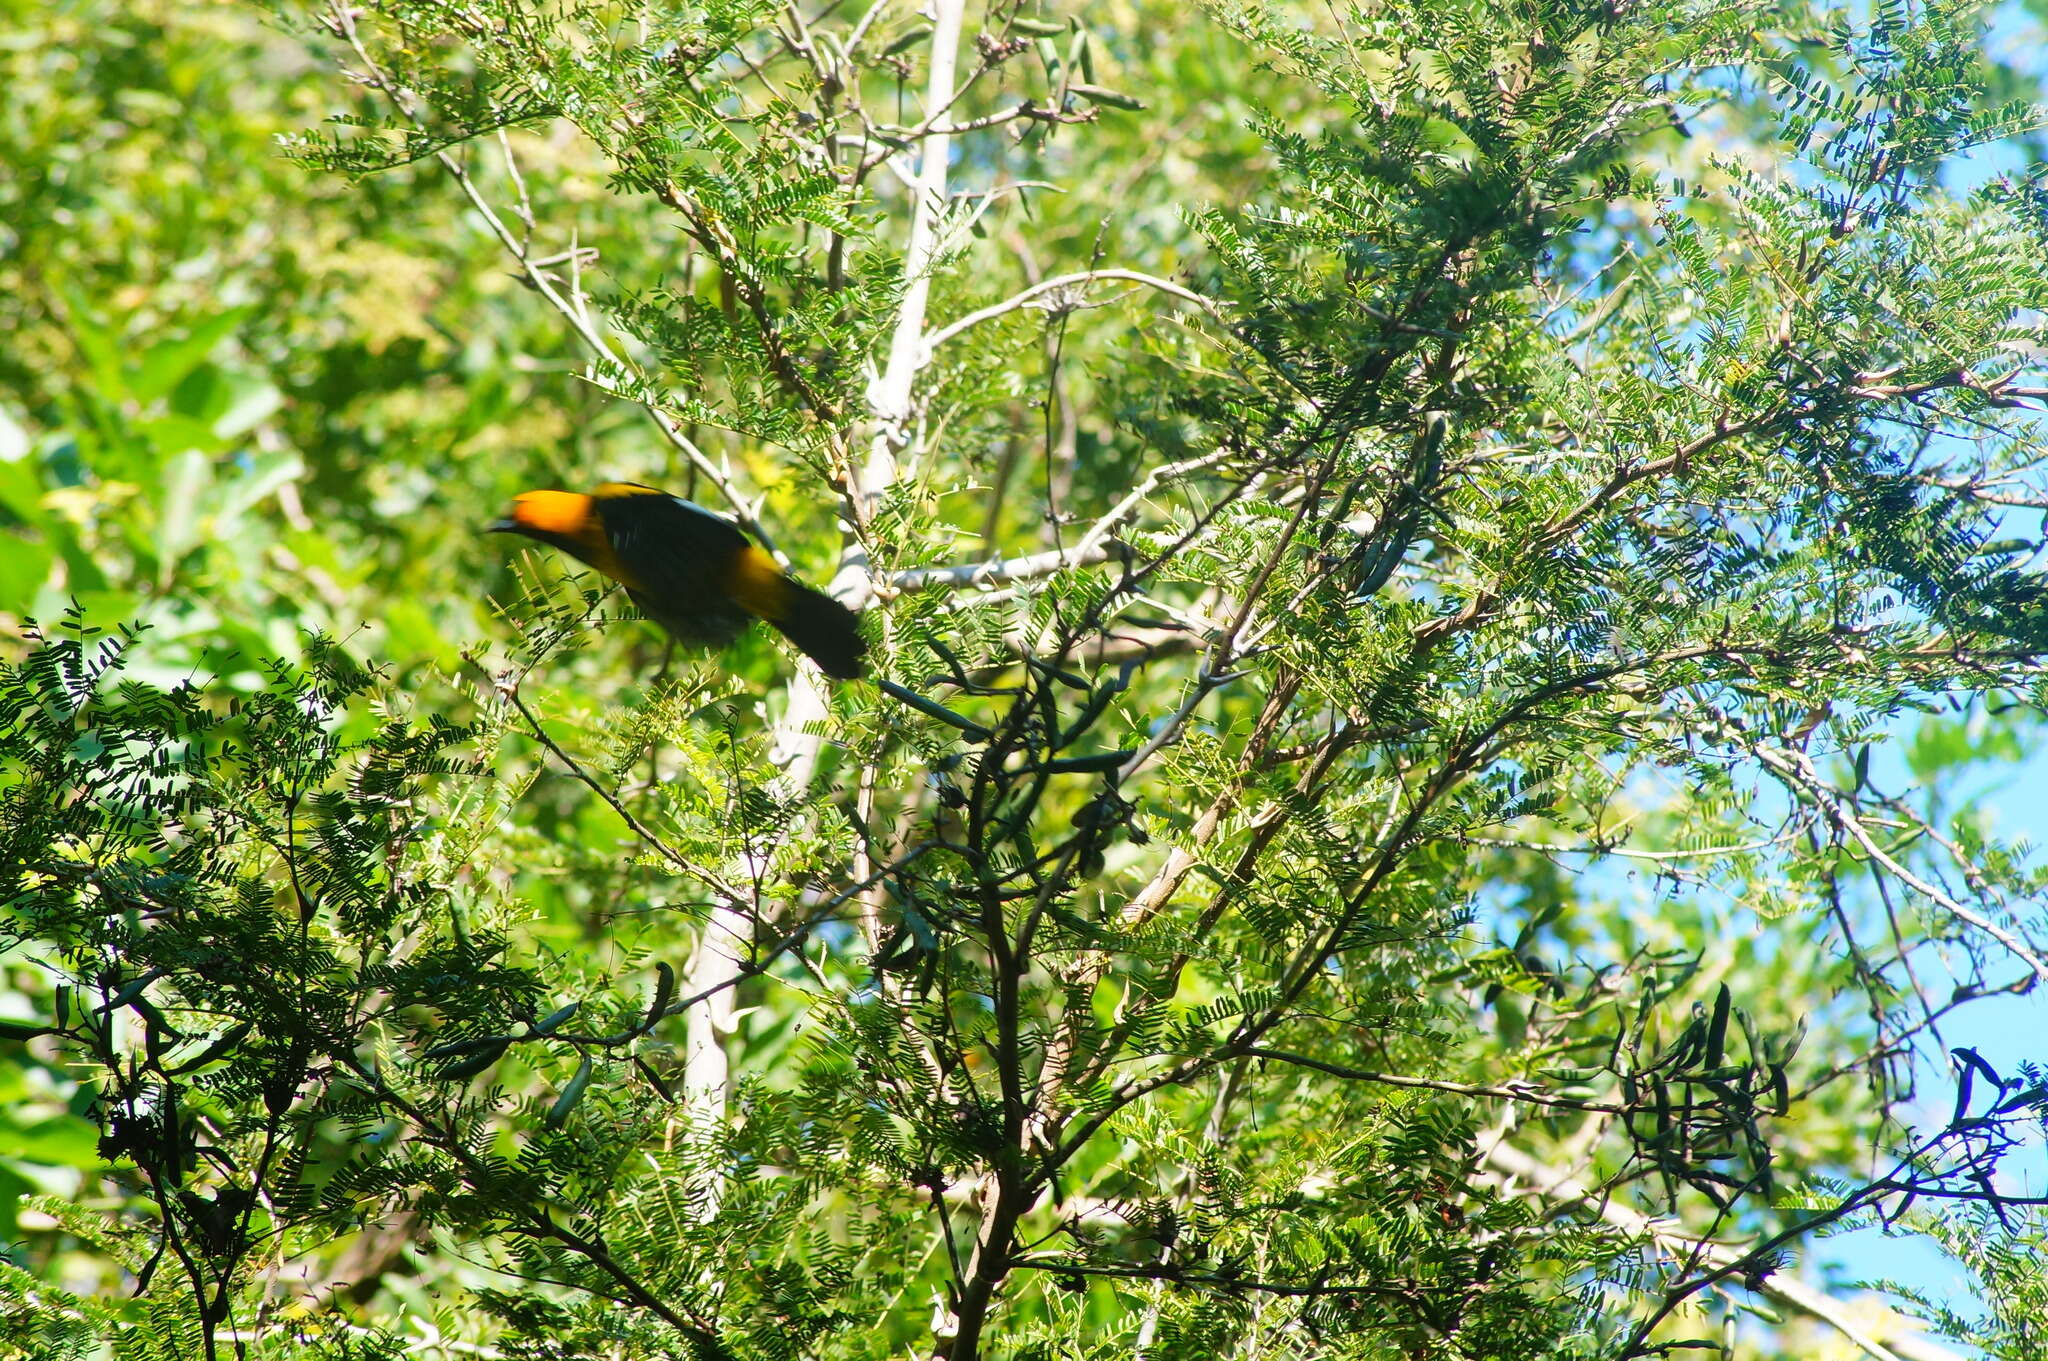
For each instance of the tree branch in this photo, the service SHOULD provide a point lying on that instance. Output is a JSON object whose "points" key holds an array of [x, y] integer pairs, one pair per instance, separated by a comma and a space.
{"points": [[996, 572], [890, 395], [1064, 285], [1527, 1095], [535, 275], [1799, 771], [1559, 1191]]}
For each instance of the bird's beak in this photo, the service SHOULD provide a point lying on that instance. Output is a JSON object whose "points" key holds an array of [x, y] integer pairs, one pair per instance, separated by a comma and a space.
{"points": [[504, 524]]}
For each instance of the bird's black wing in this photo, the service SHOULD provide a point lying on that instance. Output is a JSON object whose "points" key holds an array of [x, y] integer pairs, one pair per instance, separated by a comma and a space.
{"points": [[681, 557]]}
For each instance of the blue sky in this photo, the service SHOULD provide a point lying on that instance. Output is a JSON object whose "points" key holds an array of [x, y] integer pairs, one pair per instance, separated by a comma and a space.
{"points": [[2003, 1030]]}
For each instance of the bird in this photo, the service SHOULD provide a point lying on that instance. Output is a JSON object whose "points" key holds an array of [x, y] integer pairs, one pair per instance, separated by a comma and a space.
{"points": [[690, 570]]}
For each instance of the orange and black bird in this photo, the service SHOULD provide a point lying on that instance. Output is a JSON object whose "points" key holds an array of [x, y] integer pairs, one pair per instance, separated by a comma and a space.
{"points": [[690, 570]]}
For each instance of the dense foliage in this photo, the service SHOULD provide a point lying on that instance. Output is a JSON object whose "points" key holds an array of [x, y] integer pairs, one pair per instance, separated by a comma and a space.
{"points": [[1437, 574]]}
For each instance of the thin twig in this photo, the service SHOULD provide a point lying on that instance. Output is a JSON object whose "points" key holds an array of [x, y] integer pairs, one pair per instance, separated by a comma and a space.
{"points": [[996, 572], [1065, 282], [1845, 818], [1528, 1095], [1559, 1191], [531, 270], [640, 829]]}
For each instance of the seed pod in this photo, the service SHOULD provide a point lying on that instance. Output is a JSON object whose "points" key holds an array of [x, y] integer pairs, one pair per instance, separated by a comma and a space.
{"points": [[921, 33], [547, 1024], [1097, 95], [490, 1052], [571, 1094]]}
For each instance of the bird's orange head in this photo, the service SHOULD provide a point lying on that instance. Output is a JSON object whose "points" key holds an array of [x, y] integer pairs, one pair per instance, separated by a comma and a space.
{"points": [[551, 515], [569, 521]]}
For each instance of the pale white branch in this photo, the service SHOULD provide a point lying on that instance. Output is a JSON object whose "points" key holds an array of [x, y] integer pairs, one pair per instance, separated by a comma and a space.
{"points": [[535, 275], [1559, 1190], [995, 572], [1623, 852], [890, 395], [1060, 284], [1112, 519], [1096, 544], [1796, 768]]}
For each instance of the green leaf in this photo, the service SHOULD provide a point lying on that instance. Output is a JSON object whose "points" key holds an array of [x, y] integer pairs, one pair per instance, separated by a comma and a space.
{"points": [[169, 363], [257, 481], [187, 477]]}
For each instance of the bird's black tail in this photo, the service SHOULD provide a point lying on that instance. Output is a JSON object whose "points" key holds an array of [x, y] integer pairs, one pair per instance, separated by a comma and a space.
{"points": [[823, 629]]}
